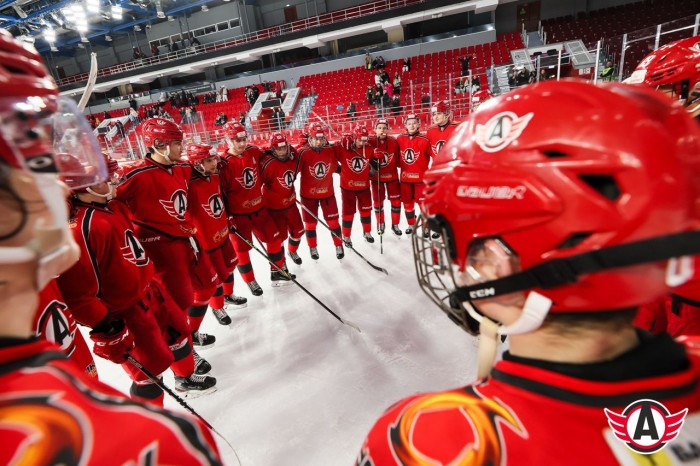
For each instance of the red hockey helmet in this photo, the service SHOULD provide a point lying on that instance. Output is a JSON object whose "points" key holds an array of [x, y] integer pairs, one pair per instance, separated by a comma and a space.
{"points": [[381, 121], [160, 132], [198, 152], [411, 116], [672, 64], [278, 139], [316, 130], [441, 107], [360, 133], [557, 198], [235, 130]]}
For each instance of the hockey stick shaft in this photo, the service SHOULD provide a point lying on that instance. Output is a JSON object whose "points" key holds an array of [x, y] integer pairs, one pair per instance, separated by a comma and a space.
{"points": [[381, 214], [375, 267], [280, 269]]}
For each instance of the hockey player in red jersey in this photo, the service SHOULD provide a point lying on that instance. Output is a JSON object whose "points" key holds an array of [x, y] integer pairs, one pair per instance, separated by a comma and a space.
{"points": [[51, 412], [54, 322], [315, 165], [240, 180], [554, 236], [209, 216], [416, 154], [112, 289], [354, 157], [443, 126], [277, 168], [385, 159], [155, 190]]}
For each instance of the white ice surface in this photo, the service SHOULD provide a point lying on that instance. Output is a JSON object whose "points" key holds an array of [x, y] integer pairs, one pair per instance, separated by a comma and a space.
{"points": [[295, 386]]}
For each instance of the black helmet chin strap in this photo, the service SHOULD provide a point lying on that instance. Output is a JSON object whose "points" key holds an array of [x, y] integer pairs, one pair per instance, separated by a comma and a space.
{"points": [[557, 272]]}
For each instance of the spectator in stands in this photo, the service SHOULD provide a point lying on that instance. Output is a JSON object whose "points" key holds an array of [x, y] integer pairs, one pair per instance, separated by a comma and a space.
{"points": [[381, 63], [368, 61], [543, 74], [351, 112], [532, 77], [132, 103], [459, 86], [464, 61], [133, 116], [397, 83], [106, 116], [389, 89], [266, 86], [154, 50], [196, 42], [425, 100], [476, 83], [241, 117], [174, 47], [396, 105], [221, 119], [370, 95], [608, 73], [278, 117], [92, 120], [385, 77], [406, 65], [378, 78], [137, 54]]}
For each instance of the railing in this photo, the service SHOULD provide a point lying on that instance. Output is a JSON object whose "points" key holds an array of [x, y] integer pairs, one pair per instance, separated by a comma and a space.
{"points": [[267, 33]]}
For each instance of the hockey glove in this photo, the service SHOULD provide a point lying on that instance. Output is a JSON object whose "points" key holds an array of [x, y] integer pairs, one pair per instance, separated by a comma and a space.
{"points": [[347, 141], [114, 343], [378, 154]]}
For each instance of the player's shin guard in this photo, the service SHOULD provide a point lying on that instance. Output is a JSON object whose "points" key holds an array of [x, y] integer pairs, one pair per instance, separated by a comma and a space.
{"points": [[147, 392], [275, 254], [366, 220], [335, 228], [195, 313], [347, 225], [310, 230], [293, 244], [184, 359], [245, 268], [379, 214], [217, 299], [395, 212], [408, 208], [228, 285]]}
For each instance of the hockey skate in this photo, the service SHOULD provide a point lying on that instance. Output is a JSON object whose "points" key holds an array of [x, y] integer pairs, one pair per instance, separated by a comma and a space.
{"points": [[380, 229], [339, 252], [221, 316], [203, 340], [295, 257], [195, 385], [409, 230], [201, 365], [314, 253], [255, 288], [235, 302], [347, 241], [396, 230], [368, 237], [281, 277]]}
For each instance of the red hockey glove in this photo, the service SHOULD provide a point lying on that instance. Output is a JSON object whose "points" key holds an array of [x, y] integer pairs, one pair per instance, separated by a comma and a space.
{"points": [[348, 141], [114, 343], [378, 154]]}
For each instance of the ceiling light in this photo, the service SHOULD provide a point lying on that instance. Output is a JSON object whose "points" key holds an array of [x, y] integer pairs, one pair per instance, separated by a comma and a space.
{"points": [[54, 48], [93, 6], [116, 12], [170, 18], [50, 35], [159, 10], [137, 28], [205, 8], [108, 38]]}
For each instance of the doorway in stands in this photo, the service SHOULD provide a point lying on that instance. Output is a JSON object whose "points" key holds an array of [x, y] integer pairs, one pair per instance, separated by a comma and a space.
{"points": [[528, 15]]}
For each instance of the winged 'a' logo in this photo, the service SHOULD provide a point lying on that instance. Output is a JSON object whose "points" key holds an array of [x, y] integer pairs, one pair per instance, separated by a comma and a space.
{"points": [[248, 178], [357, 164], [319, 170], [287, 179], [501, 130], [646, 426], [132, 250], [214, 206], [177, 205]]}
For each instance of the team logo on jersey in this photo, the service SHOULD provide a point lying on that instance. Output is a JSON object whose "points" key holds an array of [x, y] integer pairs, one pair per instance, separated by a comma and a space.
{"points": [[479, 421], [438, 145], [409, 156], [248, 178], [646, 426], [54, 325], [214, 206], [357, 164], [177, 205], [132, 250], [501, 130], [319, 170], [386, 159], [287, 179]]}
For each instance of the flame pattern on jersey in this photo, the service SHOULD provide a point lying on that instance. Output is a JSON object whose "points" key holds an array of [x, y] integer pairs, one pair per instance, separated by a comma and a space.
{"points": [[481, 414], [177, 205]]}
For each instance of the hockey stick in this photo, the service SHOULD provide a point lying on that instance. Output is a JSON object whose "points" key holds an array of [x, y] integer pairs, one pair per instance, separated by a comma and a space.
{"points": [[178, 398], [375, 267], [92, 77], [381, 233], [281, 270]]}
